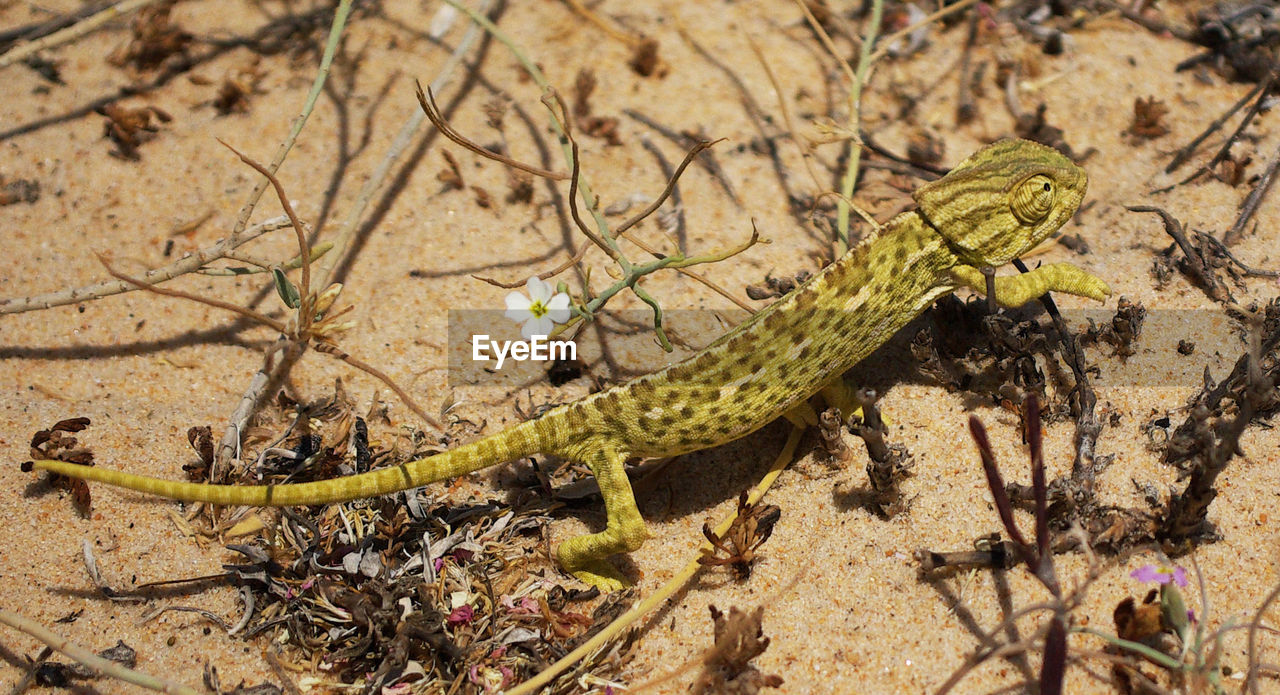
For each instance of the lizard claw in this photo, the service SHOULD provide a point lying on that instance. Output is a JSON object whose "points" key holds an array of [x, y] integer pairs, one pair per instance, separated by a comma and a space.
{"points": [[1095, 288], [602, 575]]}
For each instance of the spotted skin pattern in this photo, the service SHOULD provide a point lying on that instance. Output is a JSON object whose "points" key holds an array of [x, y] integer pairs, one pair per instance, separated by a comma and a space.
{"points": [[996, 205]]}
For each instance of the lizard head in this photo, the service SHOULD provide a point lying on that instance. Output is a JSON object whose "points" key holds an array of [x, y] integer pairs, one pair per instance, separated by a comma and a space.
{"points": [[1003, 200]]}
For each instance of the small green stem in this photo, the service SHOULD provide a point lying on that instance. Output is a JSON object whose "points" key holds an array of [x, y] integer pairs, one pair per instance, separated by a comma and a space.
{"points": [[1155, 656], [855, 120], [657, 316]]}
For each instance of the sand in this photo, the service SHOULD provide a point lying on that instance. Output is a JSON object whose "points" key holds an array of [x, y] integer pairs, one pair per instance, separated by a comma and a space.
{"points": [[845, 607]]}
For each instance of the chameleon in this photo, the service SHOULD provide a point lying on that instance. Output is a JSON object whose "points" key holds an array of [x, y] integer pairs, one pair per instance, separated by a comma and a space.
{"points": [[994, 206]]}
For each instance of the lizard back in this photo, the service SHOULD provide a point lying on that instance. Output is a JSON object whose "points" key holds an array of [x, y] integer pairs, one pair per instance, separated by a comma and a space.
{"points": [[781, 356]]}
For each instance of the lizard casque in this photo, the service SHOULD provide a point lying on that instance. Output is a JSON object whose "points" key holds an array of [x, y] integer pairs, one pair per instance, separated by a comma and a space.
{"points": [[994, 206]]}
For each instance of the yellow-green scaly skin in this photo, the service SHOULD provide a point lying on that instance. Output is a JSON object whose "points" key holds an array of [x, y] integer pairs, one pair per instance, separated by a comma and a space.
{"points": [[996, 205]]}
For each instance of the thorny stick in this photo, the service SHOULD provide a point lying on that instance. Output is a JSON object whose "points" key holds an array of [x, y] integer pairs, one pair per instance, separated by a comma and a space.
{"points": [[83, 656], [188, 264], [1244, 267], [1187, 512]]}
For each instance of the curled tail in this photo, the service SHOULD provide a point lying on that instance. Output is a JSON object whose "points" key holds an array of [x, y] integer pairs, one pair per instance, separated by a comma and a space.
{"points": [[510, 444]]}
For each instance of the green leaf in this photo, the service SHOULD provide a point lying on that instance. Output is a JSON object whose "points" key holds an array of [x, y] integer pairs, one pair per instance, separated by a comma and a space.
{"points": [[1173, 610], [288, 293]]}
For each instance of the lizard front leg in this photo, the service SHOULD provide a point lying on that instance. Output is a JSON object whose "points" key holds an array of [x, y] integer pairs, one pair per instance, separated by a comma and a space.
{"points": [[1016, 290], [585, 556]]}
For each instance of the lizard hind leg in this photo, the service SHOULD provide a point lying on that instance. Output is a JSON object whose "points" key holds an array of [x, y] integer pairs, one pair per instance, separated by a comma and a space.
{"points": [[586, 556]]}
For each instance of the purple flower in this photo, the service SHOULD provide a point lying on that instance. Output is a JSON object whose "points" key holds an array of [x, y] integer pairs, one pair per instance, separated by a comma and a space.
{"points": [[1160, 575], [461, 615]]}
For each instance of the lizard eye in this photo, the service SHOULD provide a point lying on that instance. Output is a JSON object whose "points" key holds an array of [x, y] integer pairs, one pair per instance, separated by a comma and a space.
{"points": [[1032, 199]]}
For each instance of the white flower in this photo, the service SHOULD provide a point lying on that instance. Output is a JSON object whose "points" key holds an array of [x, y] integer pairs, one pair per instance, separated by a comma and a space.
{"points": [[541, 313]]}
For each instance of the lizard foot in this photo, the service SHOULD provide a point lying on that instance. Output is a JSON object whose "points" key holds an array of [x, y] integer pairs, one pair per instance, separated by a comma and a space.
{"points": [[601, 574]]}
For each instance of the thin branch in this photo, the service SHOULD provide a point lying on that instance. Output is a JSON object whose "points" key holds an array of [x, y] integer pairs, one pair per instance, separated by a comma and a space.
{"points": [[906, 31], [340, 16], [671, 186], [432, 111], [347, 231], [263, 265], [265, 382], [603, 242], [304, 247], [1255, 198], [182, 266], [695, 276], [850, 179], [1244, 267], [335, 351], [1196, 266], [72, 32], [1231, 139], [1185, 153], [217, 303], [83, 656]]}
